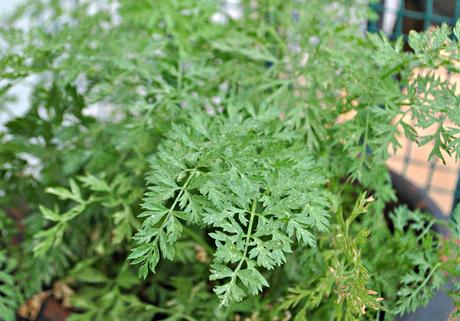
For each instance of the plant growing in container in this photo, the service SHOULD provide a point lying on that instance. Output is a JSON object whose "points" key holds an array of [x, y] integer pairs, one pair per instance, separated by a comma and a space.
{"points": [[222, 180]]}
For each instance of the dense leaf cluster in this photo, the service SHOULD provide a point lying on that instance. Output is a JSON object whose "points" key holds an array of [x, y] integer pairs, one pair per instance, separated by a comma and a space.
{"points": [[249, 181], [206, 160]]}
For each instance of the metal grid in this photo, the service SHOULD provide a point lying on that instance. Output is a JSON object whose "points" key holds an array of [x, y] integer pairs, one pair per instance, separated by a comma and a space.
{"points": [[406, 15], [422, 13]]}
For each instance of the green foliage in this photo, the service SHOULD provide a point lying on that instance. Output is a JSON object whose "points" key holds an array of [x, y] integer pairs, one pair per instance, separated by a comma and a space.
{"points": [[247, 179], [9, 294], [206, 153], [419, 283], [452, 249], [343, 274]]}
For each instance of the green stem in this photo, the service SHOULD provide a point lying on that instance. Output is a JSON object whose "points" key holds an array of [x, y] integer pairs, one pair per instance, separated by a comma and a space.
{"points": [[425, 231], [171, 209], [248, 241], [182, 189], [426, 280], [396, 69]]}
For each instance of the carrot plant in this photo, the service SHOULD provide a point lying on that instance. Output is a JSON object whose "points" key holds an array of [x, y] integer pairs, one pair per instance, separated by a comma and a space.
{"points": [[190, 160]]}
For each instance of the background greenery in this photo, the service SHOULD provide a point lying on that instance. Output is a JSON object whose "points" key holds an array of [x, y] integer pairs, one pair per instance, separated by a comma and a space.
{"points": [[220, 161]]}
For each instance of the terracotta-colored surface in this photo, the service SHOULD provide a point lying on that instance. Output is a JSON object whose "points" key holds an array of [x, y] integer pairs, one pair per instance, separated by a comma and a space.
{"points": [[437, 178], [443, 180], [54, 311]]}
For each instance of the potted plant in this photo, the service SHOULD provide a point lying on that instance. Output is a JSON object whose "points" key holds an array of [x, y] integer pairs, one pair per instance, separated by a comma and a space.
{"points": [[236, 171]]}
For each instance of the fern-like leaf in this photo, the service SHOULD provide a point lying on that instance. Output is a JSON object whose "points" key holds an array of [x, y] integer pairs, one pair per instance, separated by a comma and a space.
{"points": [[249, 182]]}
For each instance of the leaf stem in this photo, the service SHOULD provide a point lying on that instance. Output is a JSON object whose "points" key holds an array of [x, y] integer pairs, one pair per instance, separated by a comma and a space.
{"points": [[182, 189], [425, 231], [248, 241], [171, 209], [425, 281]]}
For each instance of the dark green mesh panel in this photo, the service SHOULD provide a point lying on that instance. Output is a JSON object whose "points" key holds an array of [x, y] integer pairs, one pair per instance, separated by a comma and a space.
{"points": [[422, 13]]}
